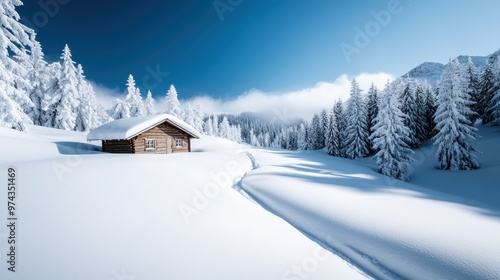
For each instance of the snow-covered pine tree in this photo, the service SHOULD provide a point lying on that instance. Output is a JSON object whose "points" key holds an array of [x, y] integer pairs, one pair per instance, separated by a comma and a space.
{"points": [[473, 88], [89, 113], [253, 139], [338, 111], [15, 41], [134, 100], [332, 143], [198, 120], [323, 127], [171, 103], [407, 106], [67, 95], [430, 110], [292, 138], [492, 110], [453, 122], [39, 78], [208, 128], [215, 124], [188, 115], [494, 105], [487, 88], [301, 137], [316, 141], [356, 140], [372, 111], [120, 110], [224, 128], [420, 114], [390, 138], [51, 98], [149, 105]]}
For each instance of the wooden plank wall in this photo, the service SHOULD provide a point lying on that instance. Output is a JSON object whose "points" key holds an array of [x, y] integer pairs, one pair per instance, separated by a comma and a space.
{"points": [[118, 146], [160, 134]]}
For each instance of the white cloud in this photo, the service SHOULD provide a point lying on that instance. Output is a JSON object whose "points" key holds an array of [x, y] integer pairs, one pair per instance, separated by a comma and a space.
{"points": [[301, 103], [106, 95], [289, 105]]}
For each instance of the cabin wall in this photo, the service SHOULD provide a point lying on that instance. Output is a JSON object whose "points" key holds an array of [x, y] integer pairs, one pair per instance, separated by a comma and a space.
{"points": [[118, 146], [160, 133]]}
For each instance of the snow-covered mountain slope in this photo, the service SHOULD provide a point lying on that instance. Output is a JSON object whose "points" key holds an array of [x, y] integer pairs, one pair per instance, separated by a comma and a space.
{"points": [[442, 225], [85, 215], [427, 71], [432, 71]]}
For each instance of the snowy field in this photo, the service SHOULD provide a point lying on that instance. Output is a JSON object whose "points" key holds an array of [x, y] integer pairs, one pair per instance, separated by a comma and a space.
{"points": [[444, 225], [87, 215]]}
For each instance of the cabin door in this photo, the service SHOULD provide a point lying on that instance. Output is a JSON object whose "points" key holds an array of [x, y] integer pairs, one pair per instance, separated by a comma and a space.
{"points": [[169, 145]]}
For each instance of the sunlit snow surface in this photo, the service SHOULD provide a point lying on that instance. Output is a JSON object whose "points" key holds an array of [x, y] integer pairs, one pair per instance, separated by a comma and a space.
{"points": [[88, 215]]}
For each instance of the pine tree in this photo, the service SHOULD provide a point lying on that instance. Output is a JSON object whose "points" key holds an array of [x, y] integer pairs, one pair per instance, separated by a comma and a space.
{"points": [[15, 41], [215, 124], [372, 111], [301, 137], [149, 105], [333, 145], [487, 89], [134, 99], [224, 128], [407, 103], [67, 95], [316, 133], [453, 122], [188, 115], [89, 114], [420, 115], [338, 111], [473, 89], [39, 78], [390, 137], [51, 97], [198, 120], [208, 128], [172, 105], [323, 128], [430, 110], [120, 110], [356, 140]]}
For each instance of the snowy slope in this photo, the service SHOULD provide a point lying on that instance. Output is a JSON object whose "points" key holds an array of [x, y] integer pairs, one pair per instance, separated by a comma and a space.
{"points": [[445, 225], [87, 215], [432, 71]]}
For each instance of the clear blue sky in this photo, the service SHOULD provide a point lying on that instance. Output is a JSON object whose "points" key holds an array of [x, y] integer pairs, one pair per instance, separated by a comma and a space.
{"points": [[275, 46]]}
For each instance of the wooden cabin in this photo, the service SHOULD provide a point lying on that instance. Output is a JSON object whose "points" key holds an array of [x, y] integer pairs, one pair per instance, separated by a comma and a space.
{"points": [[159, 134]]}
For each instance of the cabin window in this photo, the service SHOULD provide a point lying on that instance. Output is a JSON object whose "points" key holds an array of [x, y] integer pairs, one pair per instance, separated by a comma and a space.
{"points": [[150, 144], [179, 143]]}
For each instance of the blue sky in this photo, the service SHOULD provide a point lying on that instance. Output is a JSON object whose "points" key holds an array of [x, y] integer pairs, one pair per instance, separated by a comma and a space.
{"points": [[274, 46]]}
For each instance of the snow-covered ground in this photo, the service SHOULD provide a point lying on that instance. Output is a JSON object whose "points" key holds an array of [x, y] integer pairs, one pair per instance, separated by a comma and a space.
{"points": [[443, 225], [83, 214]]}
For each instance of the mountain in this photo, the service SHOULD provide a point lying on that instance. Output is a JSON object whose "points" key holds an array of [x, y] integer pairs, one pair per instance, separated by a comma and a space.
{"points": [[432, 71]]}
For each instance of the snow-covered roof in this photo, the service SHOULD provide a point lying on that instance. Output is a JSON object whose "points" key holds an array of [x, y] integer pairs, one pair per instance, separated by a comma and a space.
{"points": [[131, 127]]}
